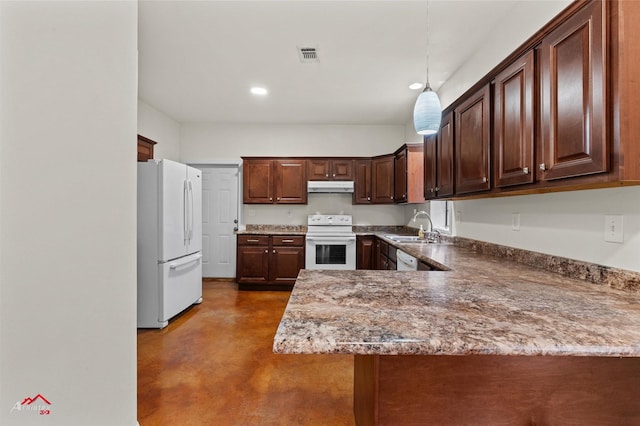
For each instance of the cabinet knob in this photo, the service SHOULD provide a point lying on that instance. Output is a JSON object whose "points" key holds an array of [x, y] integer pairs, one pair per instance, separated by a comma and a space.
{"points": [[542, 167], [431, 190], [270, 198], [274, 251], [368, 198], [391, 197], [437, 189], [266, 251], [484, 179], [278, 198], [525, 170], [326, 175], [334, 175]]}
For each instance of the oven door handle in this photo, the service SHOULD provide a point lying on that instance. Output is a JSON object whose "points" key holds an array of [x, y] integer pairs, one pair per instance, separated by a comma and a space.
{"points": [[333, 241]]}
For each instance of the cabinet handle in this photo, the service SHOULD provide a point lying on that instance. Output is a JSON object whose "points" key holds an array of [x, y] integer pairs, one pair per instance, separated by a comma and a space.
{"points": [[278, 198], [484, 179], [437, 189], [287, 241], [253, 241], [431, 190], [543, 167], [525, 170]]}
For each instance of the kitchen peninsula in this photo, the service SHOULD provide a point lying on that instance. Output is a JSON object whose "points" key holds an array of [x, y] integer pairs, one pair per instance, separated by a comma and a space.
{"points": [[490, 341]]}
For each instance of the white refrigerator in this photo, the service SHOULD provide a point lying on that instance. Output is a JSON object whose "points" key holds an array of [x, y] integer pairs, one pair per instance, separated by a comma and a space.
{"points": [[169, 240]]}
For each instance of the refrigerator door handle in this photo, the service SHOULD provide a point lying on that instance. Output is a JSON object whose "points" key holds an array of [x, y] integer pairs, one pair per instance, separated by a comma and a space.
{"points": [[185, 261], [190, 211], [185, 206]]}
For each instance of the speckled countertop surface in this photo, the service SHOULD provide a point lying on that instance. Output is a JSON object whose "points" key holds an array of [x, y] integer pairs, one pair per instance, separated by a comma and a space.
{"points": [[482, 305]]}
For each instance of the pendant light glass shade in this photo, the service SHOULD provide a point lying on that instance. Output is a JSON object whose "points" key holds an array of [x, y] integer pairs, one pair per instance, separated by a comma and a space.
{"points": [[427, 113]]}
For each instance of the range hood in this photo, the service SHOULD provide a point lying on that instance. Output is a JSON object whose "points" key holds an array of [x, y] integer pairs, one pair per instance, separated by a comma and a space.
{"points": [[335, 186]]}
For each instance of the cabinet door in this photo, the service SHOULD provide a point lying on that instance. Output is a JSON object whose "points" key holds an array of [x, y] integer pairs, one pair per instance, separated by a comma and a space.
{"points": [[285, 264], [291, 181], [318, 169], [342, 169], [400, 176], [362, 182], [257, 181], [430, 169], [445, 157], [252, 264], [382, 179], [513, 104], [364, 252], [572, 95], [472, 121]]}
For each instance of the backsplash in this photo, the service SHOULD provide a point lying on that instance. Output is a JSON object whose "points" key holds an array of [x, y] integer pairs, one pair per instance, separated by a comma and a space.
{"points": [[620, 279]]}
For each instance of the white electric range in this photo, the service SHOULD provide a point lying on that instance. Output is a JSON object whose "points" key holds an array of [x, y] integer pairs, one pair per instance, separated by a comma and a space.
{"points": [[331, 242]]}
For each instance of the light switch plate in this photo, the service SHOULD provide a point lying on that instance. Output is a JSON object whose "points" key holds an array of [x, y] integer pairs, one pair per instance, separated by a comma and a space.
{"points": [[613, 229]]}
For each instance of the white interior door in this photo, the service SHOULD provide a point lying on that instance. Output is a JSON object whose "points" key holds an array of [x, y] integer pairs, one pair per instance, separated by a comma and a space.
{"points": [[219, 219]]}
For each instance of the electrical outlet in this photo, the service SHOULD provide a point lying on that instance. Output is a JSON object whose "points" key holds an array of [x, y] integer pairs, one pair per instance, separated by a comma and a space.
{"points": [[515, 221], [613, 230]]}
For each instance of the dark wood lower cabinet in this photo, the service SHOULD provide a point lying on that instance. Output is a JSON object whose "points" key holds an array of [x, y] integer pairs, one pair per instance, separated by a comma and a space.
{"points": [[495, 390], [364, 251], [269, 261]]}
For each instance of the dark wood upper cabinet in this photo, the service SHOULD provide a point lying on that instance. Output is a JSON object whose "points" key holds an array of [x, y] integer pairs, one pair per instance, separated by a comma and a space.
{"points": [[382, 179], [573, 93], [513, 123], [267, 181], [145, 148], [409, 174], [257, 181], [330, 169], [362, 182], [291, 181], [472, 143], [446, 158], [438, 161]]}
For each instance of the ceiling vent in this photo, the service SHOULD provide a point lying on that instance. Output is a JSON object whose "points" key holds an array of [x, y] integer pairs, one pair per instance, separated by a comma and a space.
{"points": [[308, 55]]}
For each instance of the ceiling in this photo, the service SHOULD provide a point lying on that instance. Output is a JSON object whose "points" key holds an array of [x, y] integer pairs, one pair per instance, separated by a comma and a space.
{"points": [[198, 59]]}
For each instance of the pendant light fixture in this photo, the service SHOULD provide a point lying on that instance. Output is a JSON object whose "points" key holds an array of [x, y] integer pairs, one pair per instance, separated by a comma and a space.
{"points": [[427, 112]]}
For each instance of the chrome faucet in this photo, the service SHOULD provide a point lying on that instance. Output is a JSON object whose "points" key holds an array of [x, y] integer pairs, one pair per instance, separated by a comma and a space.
{"points": [[433, 235], [422, 212]]}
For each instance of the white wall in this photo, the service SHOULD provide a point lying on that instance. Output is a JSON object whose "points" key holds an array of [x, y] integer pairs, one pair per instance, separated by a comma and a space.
{"points": [[569, 224], [324, 203], [203, 142], [68, 211], [210, 142], [160, 128]]}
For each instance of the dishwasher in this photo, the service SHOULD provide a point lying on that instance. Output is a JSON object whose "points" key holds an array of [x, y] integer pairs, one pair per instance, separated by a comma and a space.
{"points": [[406, 262]]}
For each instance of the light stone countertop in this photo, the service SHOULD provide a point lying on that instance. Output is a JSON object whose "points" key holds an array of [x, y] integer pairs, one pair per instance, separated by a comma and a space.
{"points": [[482, 305]]}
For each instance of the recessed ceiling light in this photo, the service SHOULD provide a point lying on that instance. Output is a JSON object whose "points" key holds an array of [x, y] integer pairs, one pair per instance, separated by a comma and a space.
{"points": [[416, 86], [258, 90]]}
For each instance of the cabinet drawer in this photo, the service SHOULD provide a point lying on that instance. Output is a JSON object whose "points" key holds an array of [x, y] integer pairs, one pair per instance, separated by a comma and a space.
{"points": [[288, 240], [253, 240]]}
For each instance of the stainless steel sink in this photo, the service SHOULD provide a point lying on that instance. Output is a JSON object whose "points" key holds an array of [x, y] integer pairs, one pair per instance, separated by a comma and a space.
{"points": [[407, 239]]}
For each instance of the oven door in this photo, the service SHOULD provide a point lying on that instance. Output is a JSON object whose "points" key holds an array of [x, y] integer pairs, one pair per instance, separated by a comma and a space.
{"points": [[331, 252]]}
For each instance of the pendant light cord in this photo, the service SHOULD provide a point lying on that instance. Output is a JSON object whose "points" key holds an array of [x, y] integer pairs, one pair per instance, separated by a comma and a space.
{"points": [[427, 85]]}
